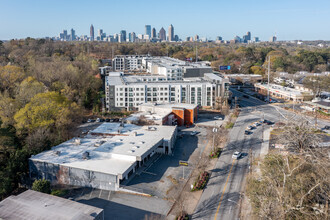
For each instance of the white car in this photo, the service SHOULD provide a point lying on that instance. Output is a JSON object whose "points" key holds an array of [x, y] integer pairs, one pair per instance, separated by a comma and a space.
{"points": [[237, 155], [218, 118]]}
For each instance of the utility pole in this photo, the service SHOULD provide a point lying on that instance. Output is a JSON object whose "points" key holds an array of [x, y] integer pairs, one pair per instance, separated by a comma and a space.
{"points": [[268, 78]]}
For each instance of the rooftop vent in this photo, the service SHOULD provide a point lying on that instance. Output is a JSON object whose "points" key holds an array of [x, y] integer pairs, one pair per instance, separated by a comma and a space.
{"points": [[58, 153], [152, 128], [85, 155], [141, 142], [77, 141]]}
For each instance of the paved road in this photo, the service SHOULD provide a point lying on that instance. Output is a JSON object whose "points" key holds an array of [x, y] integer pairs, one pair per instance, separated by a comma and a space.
{"points": [[220, 199]]}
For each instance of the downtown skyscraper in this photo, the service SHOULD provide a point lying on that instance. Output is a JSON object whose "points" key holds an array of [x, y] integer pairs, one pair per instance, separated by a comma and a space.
{"points": [[171, 33], [91, 32]]}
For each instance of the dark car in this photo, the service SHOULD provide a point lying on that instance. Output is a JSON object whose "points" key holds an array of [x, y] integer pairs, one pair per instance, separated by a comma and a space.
{"points": [[326, 127], [246, 96], [247, 132], [101, 120], [107, 120]]}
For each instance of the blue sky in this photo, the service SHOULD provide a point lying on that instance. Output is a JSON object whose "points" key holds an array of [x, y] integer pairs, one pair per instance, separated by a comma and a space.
{"points": [[289, 19]]}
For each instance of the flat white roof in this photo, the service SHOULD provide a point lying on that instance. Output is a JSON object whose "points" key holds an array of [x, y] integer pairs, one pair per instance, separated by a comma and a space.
{"points": [[36, 205], [111, 154], [170, 105]]}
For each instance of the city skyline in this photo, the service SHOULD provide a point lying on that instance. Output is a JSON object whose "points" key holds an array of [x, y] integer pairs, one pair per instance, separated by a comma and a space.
{"points": [[294, 20]]}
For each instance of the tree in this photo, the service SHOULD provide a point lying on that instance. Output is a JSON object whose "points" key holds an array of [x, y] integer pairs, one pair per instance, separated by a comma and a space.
{"points": [[10, 76], [317, 84], [257, 70], [47, 110], [28, 88], [298, 136], [41, 185]]}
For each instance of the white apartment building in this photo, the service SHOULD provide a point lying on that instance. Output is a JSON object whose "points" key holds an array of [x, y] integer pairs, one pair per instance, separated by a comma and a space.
{"points": [[128, 62], [171, 68], [128, 92]]}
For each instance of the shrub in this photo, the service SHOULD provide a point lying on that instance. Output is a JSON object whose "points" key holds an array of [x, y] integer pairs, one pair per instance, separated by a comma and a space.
{"points": [[59, 192], [41, 186], [216, 153], [201, 181], [229, 125]]}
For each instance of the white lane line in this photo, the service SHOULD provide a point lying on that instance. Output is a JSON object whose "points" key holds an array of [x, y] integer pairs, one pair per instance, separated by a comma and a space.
{"points": [[230, 209], [100, 193]]}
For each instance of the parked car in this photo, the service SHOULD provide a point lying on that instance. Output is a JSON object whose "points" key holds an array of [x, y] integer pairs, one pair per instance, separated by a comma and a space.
{"points": [[326, 127], [246, 132], [218, 118], [98, 120], [107, 120], [256, 124], [237, 155], [246, 96], [250, 127], [89, 120]]}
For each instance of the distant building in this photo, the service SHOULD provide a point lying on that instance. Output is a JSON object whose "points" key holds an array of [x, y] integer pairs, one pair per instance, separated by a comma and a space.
{"points": [[148, 30], [73, 35], [196, 37], [162, 34], [218, 38], [273, 39], [176, 38], [248, 34], [153, 33], [131, 37], [171, 33], [256, 39], [92, 32], [36, 205], [123, 35]]}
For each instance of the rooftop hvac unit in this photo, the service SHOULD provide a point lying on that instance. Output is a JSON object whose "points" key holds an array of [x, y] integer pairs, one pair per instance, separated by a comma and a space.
{"points": [[85, 155], [134, 133], [58, 153], [77, 141]]}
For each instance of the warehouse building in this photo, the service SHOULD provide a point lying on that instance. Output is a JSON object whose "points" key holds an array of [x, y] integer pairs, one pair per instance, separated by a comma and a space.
{"points": [[36, 205], [103, 159]]}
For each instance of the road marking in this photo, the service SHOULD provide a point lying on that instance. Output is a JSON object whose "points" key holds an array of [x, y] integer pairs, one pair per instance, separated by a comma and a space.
{"points": [[109, 195], [230, 209], [90, 195], [100, 193], [224, 189]]}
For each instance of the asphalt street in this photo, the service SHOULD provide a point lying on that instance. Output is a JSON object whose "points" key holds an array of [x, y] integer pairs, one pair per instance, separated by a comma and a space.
{"points": [[220, 199]]}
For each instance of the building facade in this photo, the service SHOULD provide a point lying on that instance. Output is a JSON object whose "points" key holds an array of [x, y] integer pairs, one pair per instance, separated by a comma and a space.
{"points": [[128, 92]]}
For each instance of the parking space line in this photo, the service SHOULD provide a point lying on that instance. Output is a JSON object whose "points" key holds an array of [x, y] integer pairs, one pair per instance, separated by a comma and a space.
{"points": [[109, 195], [100, 193], [90, 195]]}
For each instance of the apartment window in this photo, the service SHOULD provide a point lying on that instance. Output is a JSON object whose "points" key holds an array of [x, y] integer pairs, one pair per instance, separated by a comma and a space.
{"points": [[154, 99], [154, 89], [137, 89]]}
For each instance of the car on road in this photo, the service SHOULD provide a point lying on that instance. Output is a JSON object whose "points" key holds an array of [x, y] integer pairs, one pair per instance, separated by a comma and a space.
{"points": [[193, 133], [325, 128], [237, 155], [246, 132], [269, 122], [218, 118]]}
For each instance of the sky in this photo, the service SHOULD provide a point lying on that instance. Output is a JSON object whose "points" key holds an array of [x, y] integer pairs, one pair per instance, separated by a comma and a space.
{"points": [[288, 19]]}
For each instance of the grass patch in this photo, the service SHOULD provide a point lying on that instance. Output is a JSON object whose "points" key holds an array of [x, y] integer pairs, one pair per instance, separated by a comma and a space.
{"points": [[229, 125]]}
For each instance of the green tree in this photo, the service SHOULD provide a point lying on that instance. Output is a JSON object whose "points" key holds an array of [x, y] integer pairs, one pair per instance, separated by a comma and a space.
{"points": [[46, 110], [41, 185]]}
